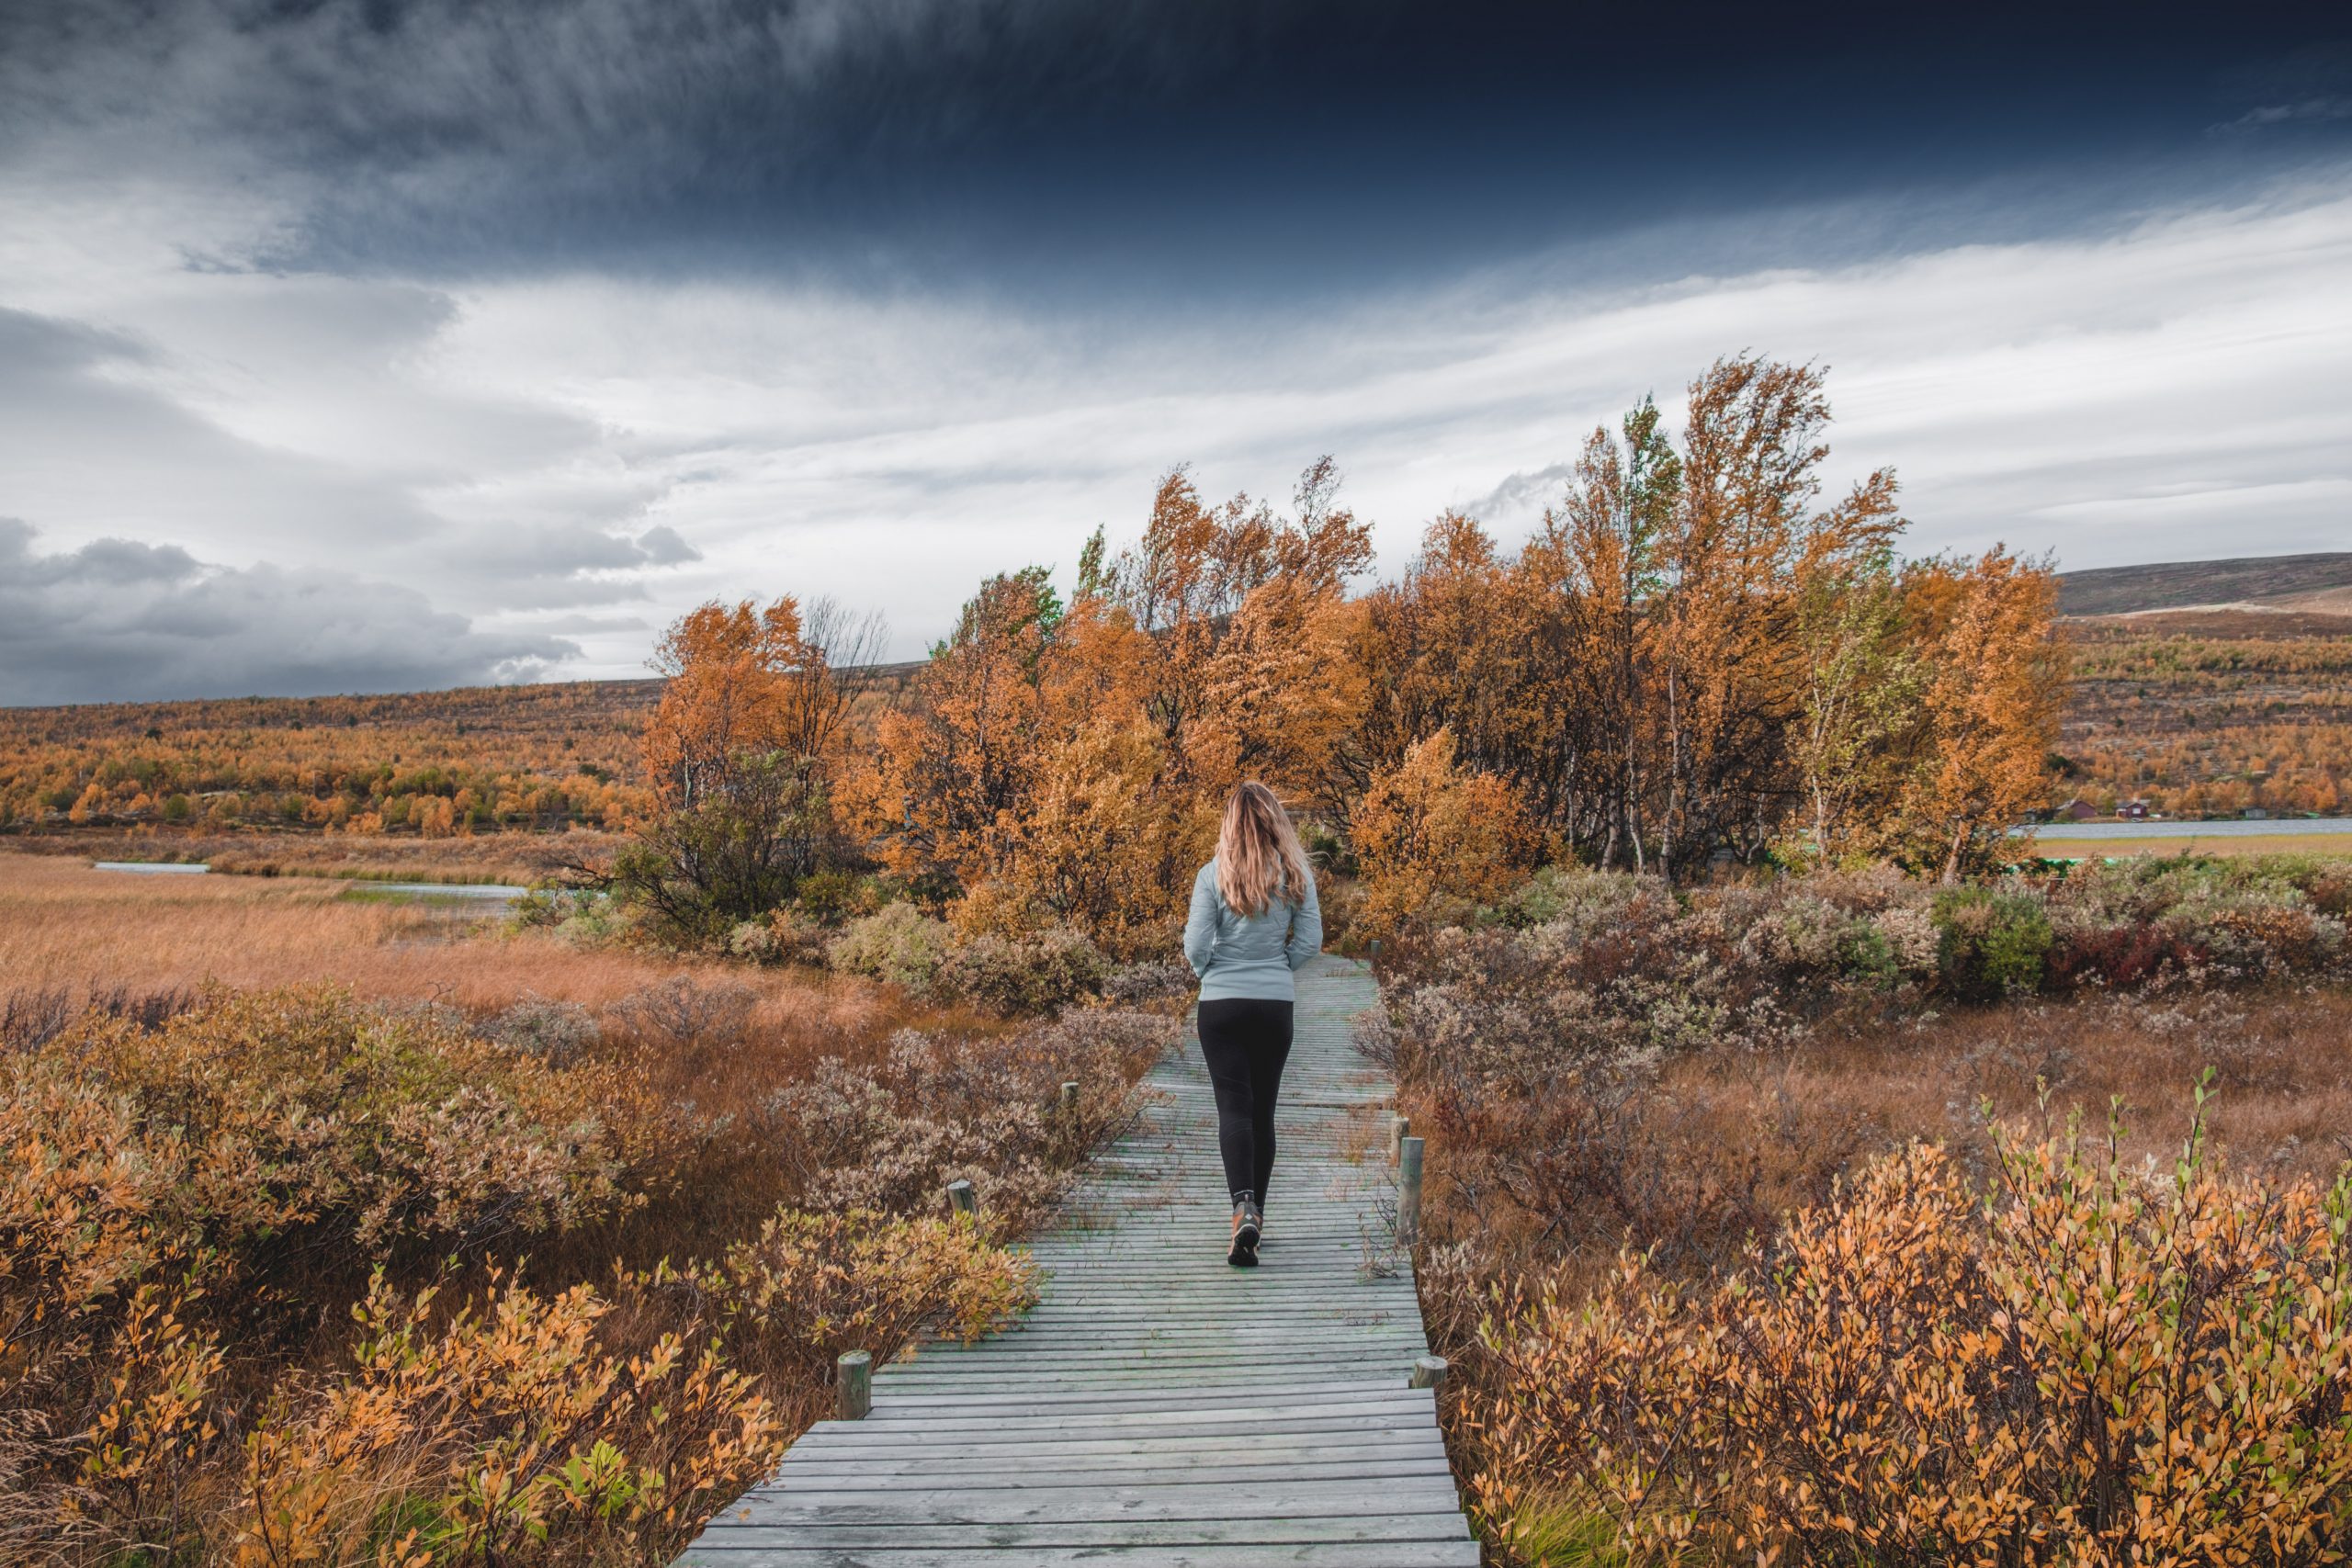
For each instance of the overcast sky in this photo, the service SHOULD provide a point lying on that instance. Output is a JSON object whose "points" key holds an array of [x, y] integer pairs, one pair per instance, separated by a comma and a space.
{"points": [[370, 344]]}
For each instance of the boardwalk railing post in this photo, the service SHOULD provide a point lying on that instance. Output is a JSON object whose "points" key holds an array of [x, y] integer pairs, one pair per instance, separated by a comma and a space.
{"points": [[1429, 1371], [1408, 1192], [853, 1384], [1398, 1127], [962, 1199]]}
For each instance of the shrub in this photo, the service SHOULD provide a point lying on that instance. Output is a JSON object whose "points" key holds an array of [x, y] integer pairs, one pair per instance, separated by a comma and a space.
{"points": [[534, 1427], [830, 897], [1038, 974], [811, 1286], [2097, 1366], [890, 1134], [1146, 982], [899, 944], [222, 1336], [559, 1033], [359, 1129], [1992, 943]]}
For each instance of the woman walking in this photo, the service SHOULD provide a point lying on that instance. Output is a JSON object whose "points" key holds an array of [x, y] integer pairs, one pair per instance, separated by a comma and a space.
{"points": [[1255, 920]]}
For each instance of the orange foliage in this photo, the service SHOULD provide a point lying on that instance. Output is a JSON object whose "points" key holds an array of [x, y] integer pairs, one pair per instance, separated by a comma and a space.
{"points": [[436, 762], [1064, 766], [2206, 713], [2097, 1367], [1996, 682], [1433, 836]]}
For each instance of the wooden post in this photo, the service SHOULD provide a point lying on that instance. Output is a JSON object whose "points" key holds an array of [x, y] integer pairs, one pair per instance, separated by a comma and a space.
{"points": [[853, 1384], [1398, 1127], [1070, 1095], [1429, 1371], [1408, 1192], [962, 1199]]}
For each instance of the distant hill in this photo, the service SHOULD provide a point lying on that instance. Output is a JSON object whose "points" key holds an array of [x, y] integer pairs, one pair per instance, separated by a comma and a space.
{"points": [[2320, 583]]}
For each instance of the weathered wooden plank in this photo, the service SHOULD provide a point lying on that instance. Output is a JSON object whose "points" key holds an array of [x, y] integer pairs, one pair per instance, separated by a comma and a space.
{"points": [[1009, 1475], [995, 1504], [1064, 1453]]}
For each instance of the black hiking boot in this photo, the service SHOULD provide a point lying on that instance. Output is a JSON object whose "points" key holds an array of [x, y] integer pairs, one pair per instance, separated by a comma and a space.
{"points": [[1245, 1221]]}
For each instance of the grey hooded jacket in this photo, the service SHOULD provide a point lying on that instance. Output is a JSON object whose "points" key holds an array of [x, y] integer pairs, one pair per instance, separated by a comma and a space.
{"points": [[1252, 956]]}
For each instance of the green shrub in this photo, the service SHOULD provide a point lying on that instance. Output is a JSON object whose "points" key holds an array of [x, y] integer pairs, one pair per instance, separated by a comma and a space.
{"points": [[1867, 957], [831, 896], [899, 944], [1007, 975], [1991, 942]]}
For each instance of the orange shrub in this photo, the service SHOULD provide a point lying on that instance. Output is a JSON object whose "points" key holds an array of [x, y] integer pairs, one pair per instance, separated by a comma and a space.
{"points": [[561, 1428], [189, 1213], [2096, 1364], [1431, 834]]}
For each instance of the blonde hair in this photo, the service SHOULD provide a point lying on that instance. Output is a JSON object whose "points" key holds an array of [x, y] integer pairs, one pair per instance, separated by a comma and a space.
{"points": [[1258, 857]]}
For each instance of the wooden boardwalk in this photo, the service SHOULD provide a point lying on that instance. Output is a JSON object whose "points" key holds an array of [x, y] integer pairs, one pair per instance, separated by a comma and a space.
{"points": [[1157, 1407]]}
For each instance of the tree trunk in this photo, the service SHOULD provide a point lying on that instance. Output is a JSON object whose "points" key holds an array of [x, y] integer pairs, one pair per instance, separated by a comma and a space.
{"points": [[1951, 861]]}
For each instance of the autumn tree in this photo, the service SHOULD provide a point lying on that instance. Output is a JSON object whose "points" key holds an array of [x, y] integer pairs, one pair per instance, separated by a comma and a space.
{"points": [[1184, 584], [741, 753], [1744, 536], [1640, 673], [1864, 725], [1431, 832], [962, 759], [1996, 685], [1599, 562]]}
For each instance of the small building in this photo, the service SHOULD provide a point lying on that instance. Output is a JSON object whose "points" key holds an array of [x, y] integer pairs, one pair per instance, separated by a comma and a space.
{"points": [[2076, 810], [2133, 811], [2256, 814]]}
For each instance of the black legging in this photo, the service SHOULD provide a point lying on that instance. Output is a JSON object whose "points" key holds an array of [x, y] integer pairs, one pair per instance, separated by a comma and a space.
{"points": [[1246, 1041]]}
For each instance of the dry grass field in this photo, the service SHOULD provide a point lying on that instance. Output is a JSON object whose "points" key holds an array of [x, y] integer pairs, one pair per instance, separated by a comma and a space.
{"points": [[517, 858], [71, 931]]}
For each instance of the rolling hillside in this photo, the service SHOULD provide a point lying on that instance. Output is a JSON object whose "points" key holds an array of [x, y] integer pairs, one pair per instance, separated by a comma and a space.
{"points": [[2321, 582], [2212, 687]]}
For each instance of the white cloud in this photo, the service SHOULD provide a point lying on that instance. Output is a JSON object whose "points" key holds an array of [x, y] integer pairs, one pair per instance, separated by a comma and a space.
{"points": [[526, 450]]}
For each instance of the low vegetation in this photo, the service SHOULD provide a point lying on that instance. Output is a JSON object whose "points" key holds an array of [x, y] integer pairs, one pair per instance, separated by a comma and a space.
{"points": [[430, 764], [529, 1254], [2210, 712], [1756, 1225], [296, 1278]]}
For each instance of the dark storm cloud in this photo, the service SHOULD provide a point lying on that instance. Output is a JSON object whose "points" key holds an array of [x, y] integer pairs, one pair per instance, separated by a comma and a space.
{"points": [[327, 324], [1021, 144], [118, 620]]}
